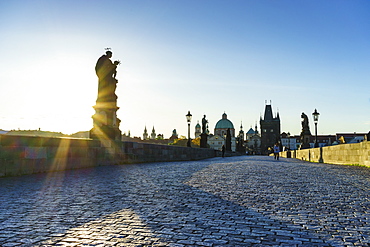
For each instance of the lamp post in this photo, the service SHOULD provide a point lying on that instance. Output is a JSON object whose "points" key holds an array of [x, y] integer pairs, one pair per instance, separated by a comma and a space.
{"points": [[188, 119], [315, 115], [288, 135]]}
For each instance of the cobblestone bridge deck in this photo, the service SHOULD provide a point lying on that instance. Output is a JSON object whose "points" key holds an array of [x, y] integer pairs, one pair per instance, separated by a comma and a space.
{"points": [[237, 201]]}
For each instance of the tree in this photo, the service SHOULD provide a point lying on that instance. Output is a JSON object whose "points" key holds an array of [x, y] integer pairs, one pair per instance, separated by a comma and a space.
{"points": [[196, 142]]}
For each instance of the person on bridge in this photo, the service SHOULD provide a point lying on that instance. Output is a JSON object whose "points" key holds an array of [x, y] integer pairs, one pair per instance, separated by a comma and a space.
{"points": [[276, 151], [223, 151]]}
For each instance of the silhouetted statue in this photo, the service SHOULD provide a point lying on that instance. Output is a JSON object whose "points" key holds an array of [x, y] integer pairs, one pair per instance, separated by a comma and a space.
{"points": [[105, 120], [204, 135], [106, 72], [228, 140], [305, 133], [204, 125]]}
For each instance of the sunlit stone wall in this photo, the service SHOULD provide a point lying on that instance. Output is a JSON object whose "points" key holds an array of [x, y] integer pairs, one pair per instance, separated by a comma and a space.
{"points": [[20, 155], [348, 154]]}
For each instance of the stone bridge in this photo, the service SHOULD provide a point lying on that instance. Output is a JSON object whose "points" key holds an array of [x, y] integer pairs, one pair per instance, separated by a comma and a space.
{"points": [[234, 201]]}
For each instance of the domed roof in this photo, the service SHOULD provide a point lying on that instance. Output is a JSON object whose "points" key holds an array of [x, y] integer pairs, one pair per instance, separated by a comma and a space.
{"points": [[224, 123]]}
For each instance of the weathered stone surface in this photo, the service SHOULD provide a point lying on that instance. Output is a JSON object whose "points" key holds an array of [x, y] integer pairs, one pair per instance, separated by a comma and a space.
{"points": [[238, 201]]}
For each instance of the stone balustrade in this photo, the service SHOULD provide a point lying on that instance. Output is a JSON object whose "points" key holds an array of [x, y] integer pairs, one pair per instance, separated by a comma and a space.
{"points": [[20, 155], [346, 154]]}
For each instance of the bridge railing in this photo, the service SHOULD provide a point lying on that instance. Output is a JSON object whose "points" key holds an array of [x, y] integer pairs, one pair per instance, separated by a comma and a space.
{"points": [[21, 155], [347, 154]]}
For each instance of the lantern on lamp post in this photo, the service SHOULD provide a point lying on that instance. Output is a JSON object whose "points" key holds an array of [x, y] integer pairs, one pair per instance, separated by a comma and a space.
{"points": [[315, 115], [188, 119]]}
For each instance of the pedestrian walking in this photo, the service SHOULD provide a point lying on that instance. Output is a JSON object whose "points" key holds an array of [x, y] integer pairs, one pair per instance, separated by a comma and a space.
{"points": [[223, 151], [276, 151]]}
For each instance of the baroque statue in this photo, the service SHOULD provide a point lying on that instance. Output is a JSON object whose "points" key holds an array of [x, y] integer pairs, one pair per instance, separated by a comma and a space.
{"points": [[106, 70], [105, 120], [305, 133], [204, 125]]}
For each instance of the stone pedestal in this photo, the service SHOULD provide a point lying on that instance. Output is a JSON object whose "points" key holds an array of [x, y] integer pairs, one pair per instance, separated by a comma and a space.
{"points": [[105, 122], [305, 139], [203, 140]]}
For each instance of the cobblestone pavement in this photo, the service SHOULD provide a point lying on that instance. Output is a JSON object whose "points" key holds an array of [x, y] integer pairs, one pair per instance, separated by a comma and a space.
{"points": [[237, 201]]}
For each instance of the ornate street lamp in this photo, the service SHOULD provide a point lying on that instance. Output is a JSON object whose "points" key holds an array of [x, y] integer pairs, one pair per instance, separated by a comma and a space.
{"points": [[188, 119], [315, 115]]}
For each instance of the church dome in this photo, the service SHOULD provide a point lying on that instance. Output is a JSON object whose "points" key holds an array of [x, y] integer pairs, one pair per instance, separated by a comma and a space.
{"points": [[224, 123]]}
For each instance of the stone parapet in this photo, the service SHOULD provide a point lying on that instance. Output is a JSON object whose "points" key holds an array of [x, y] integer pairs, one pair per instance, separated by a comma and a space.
{"points": [[346, 154], [20, 155]]}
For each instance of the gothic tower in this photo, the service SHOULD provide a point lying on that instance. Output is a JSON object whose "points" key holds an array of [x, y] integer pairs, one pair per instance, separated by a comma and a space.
{"points": [[270, 130]]}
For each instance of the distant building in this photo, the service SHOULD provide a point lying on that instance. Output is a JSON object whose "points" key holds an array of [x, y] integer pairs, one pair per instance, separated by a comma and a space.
{"points": [[222, 125], [215, 142], [197, 130], [219, 138], [145, 134], [174, 136], [241, 132], [351, 137], [253, 140], [270, 130], [153, 135], [289, 142], [240, 146]]}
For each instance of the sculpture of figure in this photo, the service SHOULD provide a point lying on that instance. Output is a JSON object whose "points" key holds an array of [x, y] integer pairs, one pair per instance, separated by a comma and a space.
{"points": [[106, 72], [305, 133], [204, 125], [228, 140], [305, 127]]}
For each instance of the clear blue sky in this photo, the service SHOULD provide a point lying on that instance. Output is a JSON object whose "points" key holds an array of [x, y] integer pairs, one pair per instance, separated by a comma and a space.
{"points": [[208, 57]]}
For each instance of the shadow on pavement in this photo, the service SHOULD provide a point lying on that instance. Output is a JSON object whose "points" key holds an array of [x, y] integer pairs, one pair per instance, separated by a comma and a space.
{"points": [[185, 203]]}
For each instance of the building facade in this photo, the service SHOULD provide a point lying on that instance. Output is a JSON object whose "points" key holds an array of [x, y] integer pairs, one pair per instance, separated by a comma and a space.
{"points": [[219, 138], [222, 125], [253, 140], [270, 130]]}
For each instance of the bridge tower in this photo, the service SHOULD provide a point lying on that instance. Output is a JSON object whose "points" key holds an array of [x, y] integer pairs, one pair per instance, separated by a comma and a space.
{"points": [[270, 129]]}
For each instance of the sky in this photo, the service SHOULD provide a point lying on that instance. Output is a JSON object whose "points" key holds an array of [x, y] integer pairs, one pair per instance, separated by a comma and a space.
{"points": [[203, 56]]}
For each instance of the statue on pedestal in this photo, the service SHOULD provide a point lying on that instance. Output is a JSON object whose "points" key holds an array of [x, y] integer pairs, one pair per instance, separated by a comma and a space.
{"points": [[204, 135], [305, 133], [204, 125], [106, 123]]}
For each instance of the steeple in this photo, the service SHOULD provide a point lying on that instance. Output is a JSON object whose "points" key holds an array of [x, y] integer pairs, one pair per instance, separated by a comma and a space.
{"points": [[153, 135], [145, 134], [255, 128], [268, 113], [241, 132]]}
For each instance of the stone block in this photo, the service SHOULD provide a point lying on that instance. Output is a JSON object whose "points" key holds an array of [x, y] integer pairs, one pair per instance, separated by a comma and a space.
{"points": [[35, 153]]}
